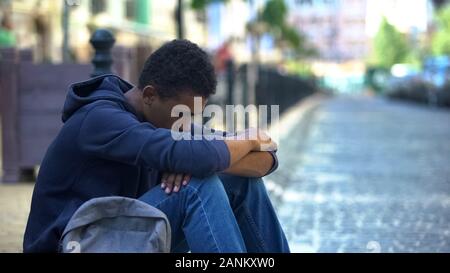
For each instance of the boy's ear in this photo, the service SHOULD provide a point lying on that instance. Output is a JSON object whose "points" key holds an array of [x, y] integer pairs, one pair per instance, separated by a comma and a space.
{"points": [[149, 94]]}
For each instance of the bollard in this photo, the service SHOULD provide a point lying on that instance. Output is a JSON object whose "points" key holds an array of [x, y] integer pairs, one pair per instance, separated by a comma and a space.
{"points": [[102, 41], [230, 72]]}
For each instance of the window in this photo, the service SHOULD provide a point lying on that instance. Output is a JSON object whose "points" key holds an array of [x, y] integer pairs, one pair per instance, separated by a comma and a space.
{"points": [[130, 10], [98, 6]]}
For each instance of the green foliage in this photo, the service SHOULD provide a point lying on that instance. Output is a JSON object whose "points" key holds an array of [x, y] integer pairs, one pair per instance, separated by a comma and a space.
{"points": [[440, 44], [274, 13], [271, 20], [390, 46], [274, 16], [201, 4], [299, 68], [291, 35]]}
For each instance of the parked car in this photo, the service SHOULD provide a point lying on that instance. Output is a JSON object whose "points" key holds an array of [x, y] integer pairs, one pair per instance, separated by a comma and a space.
{"points": [[431, 86], [436, 70]]}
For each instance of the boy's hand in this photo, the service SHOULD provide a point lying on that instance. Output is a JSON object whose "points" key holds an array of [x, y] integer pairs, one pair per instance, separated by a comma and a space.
{"points": [[173, 182]]}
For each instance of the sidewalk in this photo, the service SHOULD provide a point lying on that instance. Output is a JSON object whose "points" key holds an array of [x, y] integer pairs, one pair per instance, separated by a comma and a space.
{"points": [[14, 207], [366, 175]]}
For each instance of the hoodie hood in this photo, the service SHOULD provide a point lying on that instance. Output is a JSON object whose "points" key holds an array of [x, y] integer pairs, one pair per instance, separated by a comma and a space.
{"points": [[106, 87]]}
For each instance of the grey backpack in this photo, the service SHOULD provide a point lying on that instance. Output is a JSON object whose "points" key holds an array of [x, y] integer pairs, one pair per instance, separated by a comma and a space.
{"points": [[116, 225]]}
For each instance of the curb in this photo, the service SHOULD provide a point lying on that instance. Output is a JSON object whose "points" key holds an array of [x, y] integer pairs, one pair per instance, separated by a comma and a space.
{"points": [[295, 114]]}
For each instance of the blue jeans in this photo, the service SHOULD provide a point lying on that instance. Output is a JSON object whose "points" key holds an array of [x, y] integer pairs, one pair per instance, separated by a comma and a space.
{"points": [[221, 214]]}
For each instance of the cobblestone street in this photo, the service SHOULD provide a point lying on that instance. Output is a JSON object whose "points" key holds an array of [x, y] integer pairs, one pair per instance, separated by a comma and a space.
{"points": [[366, 175], [356, 175]]}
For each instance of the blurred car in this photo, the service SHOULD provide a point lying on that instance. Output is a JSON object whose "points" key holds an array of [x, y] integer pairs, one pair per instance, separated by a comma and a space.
{"points": [[431, 86], [402, 74], [436, 71]]}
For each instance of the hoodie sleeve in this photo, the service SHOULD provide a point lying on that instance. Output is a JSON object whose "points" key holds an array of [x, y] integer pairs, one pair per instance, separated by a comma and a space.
{"points": [[111, 133], [275, 164]]}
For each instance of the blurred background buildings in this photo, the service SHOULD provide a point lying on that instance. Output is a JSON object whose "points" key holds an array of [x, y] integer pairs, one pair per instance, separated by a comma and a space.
{"points": [[334, 39]]}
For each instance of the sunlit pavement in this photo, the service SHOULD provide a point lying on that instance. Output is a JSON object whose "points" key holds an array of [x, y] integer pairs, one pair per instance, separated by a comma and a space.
{"points": [[14, 208], [366, 175]]}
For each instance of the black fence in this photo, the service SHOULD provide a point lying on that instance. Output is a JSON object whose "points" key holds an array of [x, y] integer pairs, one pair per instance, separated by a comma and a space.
{"points": [[272, 87]]}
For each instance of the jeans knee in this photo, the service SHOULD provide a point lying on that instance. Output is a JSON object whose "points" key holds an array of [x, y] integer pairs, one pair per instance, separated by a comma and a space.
{"points": [[211, 185], [240, 184], [257, 184]]}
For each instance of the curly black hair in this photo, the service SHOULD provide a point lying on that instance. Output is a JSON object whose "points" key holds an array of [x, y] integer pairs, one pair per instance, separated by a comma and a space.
{"points": [[179, 66]]}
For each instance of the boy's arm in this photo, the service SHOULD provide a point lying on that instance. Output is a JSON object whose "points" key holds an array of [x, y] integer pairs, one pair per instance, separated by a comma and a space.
{"points": [[109, 132], [241, 158], [246, 159], [254, 164]]}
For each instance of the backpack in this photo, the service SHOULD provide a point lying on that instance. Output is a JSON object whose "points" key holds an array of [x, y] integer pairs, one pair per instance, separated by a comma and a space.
{"points": [[116, 225]]}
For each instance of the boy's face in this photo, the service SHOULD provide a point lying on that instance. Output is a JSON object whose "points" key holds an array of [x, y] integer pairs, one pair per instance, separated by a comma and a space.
{"points": [[158, 111]]}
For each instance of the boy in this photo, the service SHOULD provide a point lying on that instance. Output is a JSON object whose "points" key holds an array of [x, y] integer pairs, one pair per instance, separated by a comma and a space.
{"points": [[116, 141]]}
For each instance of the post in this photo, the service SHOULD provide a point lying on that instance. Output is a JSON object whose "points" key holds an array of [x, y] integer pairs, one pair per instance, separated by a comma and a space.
{"points": [[123, 58], [102, 41], [179, 18], [66, 37], [230, 72], [9, 105]]}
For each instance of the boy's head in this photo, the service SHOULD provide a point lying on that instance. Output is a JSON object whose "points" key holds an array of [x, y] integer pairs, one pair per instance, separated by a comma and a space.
{"points": [[175, 74]]}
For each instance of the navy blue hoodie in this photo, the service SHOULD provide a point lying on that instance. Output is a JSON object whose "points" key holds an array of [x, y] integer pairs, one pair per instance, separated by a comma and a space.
{"points": [[106, 149]]}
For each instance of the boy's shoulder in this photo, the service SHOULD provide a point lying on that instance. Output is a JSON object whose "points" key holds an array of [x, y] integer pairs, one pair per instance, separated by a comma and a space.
{"points": [[100, 106]]}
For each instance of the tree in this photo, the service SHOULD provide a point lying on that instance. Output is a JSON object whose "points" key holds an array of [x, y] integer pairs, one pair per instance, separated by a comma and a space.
{"points": [[201, 4], [179, 18], [440, 44], [271, 19], [390, 46], [274, 16]]}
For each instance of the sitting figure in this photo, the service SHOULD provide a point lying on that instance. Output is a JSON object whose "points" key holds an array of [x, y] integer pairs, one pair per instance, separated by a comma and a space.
{"points": [[117, 141]]}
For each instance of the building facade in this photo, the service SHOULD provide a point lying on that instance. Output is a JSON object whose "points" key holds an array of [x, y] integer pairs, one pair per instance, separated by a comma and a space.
{"points": [[38, 24], [337, 28]]}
